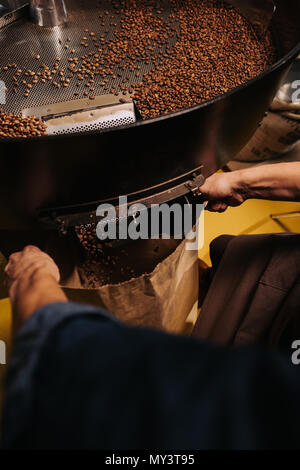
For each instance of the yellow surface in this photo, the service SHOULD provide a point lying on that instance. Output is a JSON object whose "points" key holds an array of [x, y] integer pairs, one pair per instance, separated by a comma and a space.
{"points": [[5, 335], [252, 217]]}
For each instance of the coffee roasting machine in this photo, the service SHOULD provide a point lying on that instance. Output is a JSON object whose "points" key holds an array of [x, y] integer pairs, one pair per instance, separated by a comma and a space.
{"points": [[61, 178]]}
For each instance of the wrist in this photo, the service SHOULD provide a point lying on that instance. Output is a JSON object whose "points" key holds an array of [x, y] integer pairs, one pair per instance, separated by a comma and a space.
{"points": [[241, 183], [237, 183], [31, 292]]}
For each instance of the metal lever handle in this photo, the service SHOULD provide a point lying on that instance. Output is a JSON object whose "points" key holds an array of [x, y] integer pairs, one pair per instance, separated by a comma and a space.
{"points": [[48, 13]]}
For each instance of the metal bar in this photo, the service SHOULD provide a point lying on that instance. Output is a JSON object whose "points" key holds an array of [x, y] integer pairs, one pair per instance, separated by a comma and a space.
{"points": [[48, 13], [14, 15], [284, 215]]}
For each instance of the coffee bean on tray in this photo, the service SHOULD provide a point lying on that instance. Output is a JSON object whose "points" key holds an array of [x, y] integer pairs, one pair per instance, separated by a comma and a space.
{"points": [[167, 55]]}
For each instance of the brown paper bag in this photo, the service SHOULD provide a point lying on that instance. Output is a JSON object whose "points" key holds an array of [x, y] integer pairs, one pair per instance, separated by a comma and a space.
{"points": [[278, 134], [161, 299]]}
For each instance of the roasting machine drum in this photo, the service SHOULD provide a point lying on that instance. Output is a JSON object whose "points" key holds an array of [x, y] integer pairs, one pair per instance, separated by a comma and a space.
{"points": [[108, 150]]}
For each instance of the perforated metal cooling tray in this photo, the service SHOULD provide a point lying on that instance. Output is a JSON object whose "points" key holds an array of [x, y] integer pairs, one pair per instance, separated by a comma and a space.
{"points": [[21, 41]]}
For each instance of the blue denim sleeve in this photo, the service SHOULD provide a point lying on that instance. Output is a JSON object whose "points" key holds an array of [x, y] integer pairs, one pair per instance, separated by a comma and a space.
{"points": [[78, 380], [28, 345]]}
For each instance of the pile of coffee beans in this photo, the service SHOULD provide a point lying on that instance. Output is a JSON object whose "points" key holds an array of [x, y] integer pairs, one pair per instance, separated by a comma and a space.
{"points": [[15, 125], [103, 264], [166, 54], [118, 261], [216, 50]]}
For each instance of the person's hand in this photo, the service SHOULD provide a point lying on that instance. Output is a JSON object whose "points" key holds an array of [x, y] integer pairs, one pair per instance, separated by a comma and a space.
{"points": [[32, 279], [27, 264], [222, 190]]}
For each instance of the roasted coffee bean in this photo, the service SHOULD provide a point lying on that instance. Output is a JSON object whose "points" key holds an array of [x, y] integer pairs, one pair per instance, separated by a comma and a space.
{"points": [[99, 264], [166, 56], [15, 125]]}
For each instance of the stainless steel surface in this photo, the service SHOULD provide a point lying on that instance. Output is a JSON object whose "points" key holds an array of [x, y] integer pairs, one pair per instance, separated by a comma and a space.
{"points": [[48, 13], [73, 106], [70, 117], [23, 41]]}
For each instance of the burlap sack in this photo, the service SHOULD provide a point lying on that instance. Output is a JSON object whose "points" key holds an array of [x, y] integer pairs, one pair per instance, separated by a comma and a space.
{"points": [[278, 134], [161, 299]]}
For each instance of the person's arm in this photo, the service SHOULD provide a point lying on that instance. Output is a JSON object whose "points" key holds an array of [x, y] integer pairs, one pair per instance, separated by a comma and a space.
{"points": [[275, 182], [33, 283], [47, 363]]}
